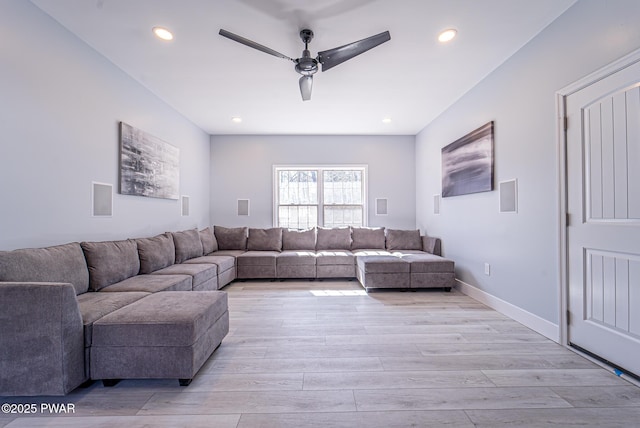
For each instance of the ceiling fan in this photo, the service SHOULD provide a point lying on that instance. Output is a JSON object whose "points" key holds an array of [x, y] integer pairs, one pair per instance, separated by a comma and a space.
{"points": [[308, 66]]}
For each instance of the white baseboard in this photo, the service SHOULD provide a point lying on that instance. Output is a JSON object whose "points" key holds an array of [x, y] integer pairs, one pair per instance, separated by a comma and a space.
{"points": [[534, 322]]}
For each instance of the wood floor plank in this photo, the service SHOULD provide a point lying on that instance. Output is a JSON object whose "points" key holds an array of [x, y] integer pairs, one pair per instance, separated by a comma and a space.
{"points": [[344, 351], [466, 362], [211, 403], [553, 377], [601, 396], [450, 419], [457, 398], [397, 379], [370, 339], [162, 421], [560, 418], [492, 349], [296, 365]]}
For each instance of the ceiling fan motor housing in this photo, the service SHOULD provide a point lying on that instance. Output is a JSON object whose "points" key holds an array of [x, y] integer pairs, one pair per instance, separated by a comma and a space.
{"points": [[306, 65]]}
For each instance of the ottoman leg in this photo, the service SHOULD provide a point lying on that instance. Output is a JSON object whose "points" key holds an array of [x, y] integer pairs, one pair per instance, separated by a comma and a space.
{"points": [[184, 382], [110, 382]]}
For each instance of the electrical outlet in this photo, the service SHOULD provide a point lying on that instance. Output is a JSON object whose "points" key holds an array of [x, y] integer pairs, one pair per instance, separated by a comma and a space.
{"points": [[487, 269]]}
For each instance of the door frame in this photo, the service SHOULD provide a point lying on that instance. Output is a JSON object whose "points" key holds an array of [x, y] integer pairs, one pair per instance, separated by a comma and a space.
{"points": [[563, 218]]}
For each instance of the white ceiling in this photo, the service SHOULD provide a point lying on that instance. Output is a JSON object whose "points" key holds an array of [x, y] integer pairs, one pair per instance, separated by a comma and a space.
{"points": [[209, 79]]}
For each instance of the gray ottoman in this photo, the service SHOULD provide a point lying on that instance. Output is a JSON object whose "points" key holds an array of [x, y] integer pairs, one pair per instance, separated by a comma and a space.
{"points": [[431, 271], [383, 272], [164, 335]]}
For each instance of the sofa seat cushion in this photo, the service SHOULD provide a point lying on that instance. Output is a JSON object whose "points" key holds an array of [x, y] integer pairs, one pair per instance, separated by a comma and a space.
{"points": [[428, 263], [296, 258], [231, 253], [201, 273], [372, 252], [257, 258], [152, 284], [402, 253], [335, 257], [173, 319], [61, 263], [223, 262], [94, 306], [383, 264]]}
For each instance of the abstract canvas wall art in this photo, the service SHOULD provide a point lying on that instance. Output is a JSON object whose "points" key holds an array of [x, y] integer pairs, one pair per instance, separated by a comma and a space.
{"points": [[467, 163], [148, 166]]}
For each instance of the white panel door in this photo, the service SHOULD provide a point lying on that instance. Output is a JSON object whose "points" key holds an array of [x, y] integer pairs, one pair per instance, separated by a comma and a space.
{"points": [[603, 202]]}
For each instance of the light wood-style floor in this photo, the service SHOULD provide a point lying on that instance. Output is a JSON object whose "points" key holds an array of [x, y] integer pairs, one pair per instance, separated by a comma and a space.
{"points": [[325, 354]]}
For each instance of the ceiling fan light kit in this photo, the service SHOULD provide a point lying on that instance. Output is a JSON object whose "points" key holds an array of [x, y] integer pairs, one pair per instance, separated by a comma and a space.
{"points": [[306, 65]]}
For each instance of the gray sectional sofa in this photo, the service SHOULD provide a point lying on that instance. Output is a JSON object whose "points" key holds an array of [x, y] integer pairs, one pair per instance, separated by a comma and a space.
{"points": [[109, 310], [151, 307], [378, 257]]}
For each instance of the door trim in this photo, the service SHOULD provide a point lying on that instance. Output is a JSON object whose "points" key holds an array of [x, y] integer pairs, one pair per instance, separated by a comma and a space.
{"points": [[561, 136]]}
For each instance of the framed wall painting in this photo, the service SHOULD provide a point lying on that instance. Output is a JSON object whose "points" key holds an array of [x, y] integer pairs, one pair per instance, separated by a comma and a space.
{"points": [[467, 163], [148, 166]]}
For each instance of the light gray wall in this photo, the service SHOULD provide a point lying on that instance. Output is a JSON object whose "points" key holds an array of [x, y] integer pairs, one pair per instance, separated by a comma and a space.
{"points": [[242, 168], [519, 96], [60, 105]]}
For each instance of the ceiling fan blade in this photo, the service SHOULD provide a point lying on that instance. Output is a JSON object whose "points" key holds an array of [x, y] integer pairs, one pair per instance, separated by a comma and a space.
{"points": [[252, 44], [332, 57], [306, 83]]}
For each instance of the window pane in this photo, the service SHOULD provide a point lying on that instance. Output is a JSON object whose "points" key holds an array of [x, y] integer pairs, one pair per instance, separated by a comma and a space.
{"points": [[297, 187], [298, 217], [342, 187], [337, 216]]}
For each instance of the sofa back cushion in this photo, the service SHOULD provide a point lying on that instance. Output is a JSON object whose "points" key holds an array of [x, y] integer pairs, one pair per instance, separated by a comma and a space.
{"points": [[265, 239], [231, 238], [156, 253], [209, 243], [337, 238], [61, 263], [299, 239], [110, 262], [364, 238], [403, 239], [188, 245]]}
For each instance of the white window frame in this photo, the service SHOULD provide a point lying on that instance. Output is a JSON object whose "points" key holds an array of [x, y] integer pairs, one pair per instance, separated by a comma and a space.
{"points": [[320, 169]]}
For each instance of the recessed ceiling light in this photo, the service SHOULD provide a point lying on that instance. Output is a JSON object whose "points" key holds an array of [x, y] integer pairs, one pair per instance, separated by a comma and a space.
{"points": [[236, 119], [386, 120], [162, 33], [447, 35]]}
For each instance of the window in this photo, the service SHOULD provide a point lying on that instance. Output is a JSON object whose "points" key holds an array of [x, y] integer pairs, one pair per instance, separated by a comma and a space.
{"points": [[326, 196]]}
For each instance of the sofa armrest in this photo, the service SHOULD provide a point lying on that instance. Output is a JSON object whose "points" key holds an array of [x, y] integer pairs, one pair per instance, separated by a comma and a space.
{"points": [[432, 245], [42, 344]]}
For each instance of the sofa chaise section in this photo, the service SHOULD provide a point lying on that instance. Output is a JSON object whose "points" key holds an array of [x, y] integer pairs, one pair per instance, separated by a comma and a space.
{"points": [[159, 337]]}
